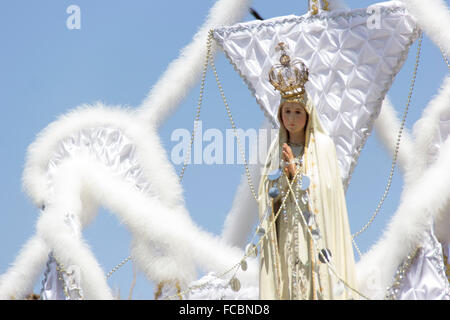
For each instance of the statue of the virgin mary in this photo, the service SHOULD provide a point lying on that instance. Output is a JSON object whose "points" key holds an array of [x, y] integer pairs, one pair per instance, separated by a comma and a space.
{"points": [[307, 251]]}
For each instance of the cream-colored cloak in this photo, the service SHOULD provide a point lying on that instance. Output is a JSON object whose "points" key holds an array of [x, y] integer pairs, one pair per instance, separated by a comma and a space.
{"points": [[288, 253]]}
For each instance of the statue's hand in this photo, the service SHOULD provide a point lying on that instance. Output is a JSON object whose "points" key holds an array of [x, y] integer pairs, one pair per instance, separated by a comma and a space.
{"points": [[288, 157]]}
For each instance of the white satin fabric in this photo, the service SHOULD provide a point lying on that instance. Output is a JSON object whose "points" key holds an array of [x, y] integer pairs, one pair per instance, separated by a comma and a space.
{"points": [[55, 283], [426, 278], [110, 147], [52, 287], [352, 56], [107, 145], [213, 287]]}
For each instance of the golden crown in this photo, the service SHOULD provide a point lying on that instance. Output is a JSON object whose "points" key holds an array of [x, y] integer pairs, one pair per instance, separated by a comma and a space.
{"points": [[289, 77]]}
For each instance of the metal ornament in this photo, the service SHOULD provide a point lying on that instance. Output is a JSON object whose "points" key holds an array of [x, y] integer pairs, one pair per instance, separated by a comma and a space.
{"points": [[306, 214], [315, 234], [244, 265], [303, 201], [305, 182], [260, 231], [305, 198], [311, 220], [274, 192], [325, 255], [309, 217], [235, 284], [274, 175]]}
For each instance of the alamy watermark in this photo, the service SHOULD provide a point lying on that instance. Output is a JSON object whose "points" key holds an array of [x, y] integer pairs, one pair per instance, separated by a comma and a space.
{"points": [[74, 20], [374, 20], [213, 146]]}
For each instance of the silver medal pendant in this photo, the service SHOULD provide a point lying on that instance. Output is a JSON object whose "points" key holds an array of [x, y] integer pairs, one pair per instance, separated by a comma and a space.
{"points": [[309, 217], [325, 255], [315, 234], [303, 201], [305, 182], [312, 220], [305, 198], [274, 192], [274, 175], [244, 265], [260, 231], [235, 284]]}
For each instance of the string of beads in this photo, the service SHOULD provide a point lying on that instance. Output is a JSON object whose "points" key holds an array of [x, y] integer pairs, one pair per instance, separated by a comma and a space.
{"points": [[397, 146]]}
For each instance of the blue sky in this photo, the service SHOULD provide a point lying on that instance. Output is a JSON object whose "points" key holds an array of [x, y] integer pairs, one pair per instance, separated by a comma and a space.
{"points": [[117, 56]]}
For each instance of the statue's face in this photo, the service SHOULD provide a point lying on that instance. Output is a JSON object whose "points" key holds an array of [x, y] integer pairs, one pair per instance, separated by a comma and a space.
{"points": [[294, 117]]}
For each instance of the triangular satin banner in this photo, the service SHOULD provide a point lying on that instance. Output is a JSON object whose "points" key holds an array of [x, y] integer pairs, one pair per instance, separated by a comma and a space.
{"points": [[352, 56]]}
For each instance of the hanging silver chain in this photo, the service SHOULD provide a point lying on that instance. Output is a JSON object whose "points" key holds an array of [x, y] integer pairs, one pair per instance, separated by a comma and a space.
{"points": [[233, 125], [118, 266], [199, 105], [445, 58], [397, 146]]}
